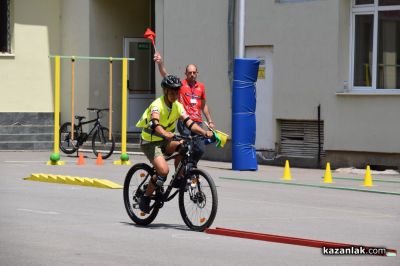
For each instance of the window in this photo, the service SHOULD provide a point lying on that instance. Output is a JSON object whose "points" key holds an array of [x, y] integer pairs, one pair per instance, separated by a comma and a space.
{"points": [[375, 45], [292, 1], [5, 39], [364, 2]]}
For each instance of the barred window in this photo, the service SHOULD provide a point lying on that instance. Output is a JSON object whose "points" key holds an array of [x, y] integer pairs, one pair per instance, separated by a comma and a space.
{"points": [[5, 38]]}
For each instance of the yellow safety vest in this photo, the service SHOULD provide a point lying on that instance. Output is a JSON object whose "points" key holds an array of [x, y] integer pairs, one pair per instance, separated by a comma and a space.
{"points": [[168, 118]]}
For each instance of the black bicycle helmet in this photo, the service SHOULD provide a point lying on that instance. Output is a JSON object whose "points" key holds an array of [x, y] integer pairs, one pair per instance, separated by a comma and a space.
{"points": [[171, 82]]}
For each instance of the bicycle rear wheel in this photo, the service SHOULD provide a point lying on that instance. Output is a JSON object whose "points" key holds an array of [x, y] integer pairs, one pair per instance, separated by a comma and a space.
{"points": [[101, 143], [198, 201], [135, 184], [67, 145]]}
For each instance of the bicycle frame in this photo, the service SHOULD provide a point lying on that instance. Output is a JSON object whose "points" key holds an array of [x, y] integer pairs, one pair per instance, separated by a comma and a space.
{"points": [[186, 165], [196, 190], [95, 126], [97, 132]]}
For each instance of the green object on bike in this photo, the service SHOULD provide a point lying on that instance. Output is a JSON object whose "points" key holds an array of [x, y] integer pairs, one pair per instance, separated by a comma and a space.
{"points": [[124, 157], [218, 140], [54, 157]]}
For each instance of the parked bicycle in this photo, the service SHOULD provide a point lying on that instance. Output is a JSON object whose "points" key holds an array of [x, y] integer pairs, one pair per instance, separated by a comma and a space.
{"points": [[99, 135], [198, 200]]}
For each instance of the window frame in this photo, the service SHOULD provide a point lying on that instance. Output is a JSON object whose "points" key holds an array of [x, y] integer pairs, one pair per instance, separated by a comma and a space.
{"points": [[367, 9], [292, 1]]}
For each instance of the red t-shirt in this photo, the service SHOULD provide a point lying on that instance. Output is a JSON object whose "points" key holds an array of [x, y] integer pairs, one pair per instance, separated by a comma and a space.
{"points": [[192, 98]]}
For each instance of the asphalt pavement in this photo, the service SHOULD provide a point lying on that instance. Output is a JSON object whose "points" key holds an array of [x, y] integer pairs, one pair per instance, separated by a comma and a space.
{"points": [[58, 224]]}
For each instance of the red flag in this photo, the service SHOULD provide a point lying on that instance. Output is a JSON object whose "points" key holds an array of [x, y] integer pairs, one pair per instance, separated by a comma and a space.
{"points": [[149, 34]]}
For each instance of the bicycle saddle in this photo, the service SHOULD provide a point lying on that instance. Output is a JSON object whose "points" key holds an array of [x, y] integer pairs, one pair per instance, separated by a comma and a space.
{"points": [[79, 117]]}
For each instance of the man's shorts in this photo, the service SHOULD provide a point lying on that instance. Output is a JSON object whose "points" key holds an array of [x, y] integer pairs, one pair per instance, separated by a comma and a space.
{"points": [[153, 149]]}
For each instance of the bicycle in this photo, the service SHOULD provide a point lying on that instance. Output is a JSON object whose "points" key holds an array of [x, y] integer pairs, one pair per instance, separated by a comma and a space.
{"points": [[100, 136], [198, 199]]}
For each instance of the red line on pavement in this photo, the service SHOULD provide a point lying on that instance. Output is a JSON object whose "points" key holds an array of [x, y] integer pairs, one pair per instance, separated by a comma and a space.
{"points": [[282, 239]]}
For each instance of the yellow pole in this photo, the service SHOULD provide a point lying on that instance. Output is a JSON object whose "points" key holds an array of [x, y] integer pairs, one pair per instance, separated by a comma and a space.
{"points": [[124, 155], [72, 97], [110, 99], [367, 80], [55, 156], [57, 106], [124, 103]]}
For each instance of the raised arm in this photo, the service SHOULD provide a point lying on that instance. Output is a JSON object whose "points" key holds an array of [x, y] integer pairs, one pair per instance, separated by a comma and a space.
{"points": [[161, 68]]}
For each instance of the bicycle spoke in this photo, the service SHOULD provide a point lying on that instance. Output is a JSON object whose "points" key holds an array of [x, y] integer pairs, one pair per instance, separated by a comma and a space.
{"points": [[102, 144], [199, 202], [67, 145], [134, 186]]}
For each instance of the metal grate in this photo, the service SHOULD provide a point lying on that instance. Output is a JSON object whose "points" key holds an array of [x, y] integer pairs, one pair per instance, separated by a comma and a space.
{"points": [[299, 138]]}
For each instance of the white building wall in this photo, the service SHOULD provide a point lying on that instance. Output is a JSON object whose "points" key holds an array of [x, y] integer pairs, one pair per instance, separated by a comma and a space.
{"points": [[75, 28], [311, 49], [196, 32], [27, 75], [304, 37], [110, 22]]}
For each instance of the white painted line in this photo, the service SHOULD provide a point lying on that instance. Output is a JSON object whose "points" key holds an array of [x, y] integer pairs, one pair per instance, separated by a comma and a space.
{"points": [[39, 212]]}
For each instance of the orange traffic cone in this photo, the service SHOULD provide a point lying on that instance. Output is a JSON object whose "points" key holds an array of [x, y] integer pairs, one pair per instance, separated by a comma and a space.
{"points": [[81, 159], [99, 160]]}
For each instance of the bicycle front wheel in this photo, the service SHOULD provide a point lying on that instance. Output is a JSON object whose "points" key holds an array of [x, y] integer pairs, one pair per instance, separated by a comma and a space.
{"points": [[67, 145], [198, 201], [135, 185], [102, 144]]}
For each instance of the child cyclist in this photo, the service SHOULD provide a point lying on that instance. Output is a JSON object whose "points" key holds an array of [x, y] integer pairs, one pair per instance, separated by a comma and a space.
{"points": [[158, 122]]}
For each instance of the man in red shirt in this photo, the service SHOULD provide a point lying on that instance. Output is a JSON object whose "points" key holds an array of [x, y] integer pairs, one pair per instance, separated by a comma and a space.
{"points": [[192, 95]]}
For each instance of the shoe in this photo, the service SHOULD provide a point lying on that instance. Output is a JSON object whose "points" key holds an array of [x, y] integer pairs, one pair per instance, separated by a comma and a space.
{"points": [[144, 204]]}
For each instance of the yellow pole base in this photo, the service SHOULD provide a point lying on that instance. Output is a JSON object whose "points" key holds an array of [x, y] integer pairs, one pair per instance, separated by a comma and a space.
{"points": [[120, 162], [55, 163]]}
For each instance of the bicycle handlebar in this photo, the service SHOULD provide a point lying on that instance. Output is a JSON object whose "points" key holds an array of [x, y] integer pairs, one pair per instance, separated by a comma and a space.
{"points": [[97, 109], [188, 138]]}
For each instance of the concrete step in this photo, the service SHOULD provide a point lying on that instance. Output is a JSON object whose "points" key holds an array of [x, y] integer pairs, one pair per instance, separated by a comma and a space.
{"points": [[130, 137], [26, 145], [26, 118], [27, 137], [24, 129]]}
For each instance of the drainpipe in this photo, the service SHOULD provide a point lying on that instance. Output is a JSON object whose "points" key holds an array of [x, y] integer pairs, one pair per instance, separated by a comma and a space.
{"points": [[242, 4], [231, 39], [319, 136]]}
